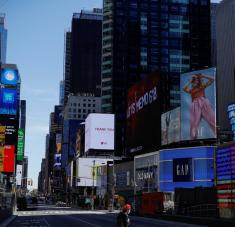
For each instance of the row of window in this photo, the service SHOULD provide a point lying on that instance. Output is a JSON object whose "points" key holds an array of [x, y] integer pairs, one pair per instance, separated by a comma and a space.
{"points": [[84, 104]]}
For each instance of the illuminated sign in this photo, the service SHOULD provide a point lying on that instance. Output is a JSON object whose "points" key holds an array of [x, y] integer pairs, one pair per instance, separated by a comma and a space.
{"points": [[9, 77], [99, 132], [231, 115], [20, 145], [225, 174], [7, 156], [182, 169], [8, 101]]}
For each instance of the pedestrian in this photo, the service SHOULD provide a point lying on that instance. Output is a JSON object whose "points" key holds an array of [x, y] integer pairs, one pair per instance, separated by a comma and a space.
{"points": [[123, 217]]}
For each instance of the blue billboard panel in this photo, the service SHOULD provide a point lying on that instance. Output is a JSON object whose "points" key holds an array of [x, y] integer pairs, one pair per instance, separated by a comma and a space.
{"points": [[186, 168], [9, 77], [198, 104], [8, 101]]}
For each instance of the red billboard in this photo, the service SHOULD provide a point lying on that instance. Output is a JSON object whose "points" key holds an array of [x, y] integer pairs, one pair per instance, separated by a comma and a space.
{"points": [[7, 157], [143, 116]]}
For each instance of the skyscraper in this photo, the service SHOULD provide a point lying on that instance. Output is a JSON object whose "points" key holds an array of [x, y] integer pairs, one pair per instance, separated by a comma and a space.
{"points": [[213, 34], [86, 39], [225, 33], [139, 37], [3, 39]]}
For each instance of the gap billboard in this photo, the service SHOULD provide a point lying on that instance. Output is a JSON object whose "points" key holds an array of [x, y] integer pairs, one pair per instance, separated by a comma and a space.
{"points": [[198, 104], [143, 116]]}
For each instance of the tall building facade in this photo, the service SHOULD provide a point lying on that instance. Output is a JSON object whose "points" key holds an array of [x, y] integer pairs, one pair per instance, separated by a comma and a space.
{"points": [[213, 34], [61, 94], [139, 37], [225, 28], [3, 39], [86, 41], [67, 64]]}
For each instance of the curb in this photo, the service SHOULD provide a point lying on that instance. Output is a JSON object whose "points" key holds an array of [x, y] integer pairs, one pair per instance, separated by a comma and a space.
{"points": [[8, 221]]}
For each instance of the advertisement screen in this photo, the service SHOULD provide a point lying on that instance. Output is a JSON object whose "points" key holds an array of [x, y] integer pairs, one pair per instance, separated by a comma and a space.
{"points": [[9, 77], [57, 160], [99, 132], [8, 101], [20, 145], [2, 135], [143, 116], [58, 143], [19, 170], [8, 158], [198, 104], [182, 169], [171, 126]]}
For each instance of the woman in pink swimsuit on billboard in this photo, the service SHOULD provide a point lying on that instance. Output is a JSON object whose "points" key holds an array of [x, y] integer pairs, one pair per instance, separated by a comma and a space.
{"points": [[201, 107]]}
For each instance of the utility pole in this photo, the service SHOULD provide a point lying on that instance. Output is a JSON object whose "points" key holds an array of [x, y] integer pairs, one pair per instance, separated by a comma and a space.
{"points": [[93, 183]]}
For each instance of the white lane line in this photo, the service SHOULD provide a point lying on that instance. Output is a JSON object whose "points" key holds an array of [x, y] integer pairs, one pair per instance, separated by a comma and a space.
{"points": [[44, 219]]}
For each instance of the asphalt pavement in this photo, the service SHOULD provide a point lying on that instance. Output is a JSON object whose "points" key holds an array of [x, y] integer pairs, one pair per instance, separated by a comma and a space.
{"points": [[50, 216]]}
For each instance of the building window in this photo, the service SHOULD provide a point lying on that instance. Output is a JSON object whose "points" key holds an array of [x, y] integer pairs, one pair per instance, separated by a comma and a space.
{"points": [[84, 110], [93, 105], [84, 116], [89, 105], [84, 104]]}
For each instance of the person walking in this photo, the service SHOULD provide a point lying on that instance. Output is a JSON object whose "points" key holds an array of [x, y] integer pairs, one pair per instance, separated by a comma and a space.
{"points": [[123, 217]]}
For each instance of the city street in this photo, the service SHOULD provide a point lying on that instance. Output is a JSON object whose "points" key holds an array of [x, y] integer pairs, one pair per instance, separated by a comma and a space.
{"points": [[51, 216]]}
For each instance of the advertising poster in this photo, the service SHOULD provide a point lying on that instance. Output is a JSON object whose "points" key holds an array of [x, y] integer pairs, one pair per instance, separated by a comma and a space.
{"points": [[20, 145], [182, 169], [99, 132], [171, 126], [19, 170], [198, 104], [2, 135], [9, 77], [58, 143], [8, 101], [143, 116], [1, 158], [8, 158], [57, 160]]}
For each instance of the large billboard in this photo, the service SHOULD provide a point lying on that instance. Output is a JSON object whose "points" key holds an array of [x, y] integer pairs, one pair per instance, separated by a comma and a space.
{"points": [[143, 116], [20, 145], [198, 104], [19, 169], [99, 132], [170, 124], [9, 77], [7, 158], [8, 101]]}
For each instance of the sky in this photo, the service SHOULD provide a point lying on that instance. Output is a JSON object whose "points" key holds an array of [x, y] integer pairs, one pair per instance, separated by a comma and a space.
{"points": [[36, 44]]}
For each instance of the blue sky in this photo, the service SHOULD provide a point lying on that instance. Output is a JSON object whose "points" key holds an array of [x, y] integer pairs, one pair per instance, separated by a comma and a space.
{"points": [[36, 44]]}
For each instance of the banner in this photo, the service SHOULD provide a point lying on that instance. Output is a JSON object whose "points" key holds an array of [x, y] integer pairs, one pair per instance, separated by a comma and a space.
{"points": [[20, 146], [198, 104]]}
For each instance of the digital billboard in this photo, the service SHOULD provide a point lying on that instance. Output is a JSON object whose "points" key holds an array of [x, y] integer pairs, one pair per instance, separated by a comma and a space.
{"points": [[182, 170], [9, 76], [198, 104], [20, 145], [231, 115], [58, 143], [99, 132], [143, 116], [2, 135], [8, 101], [57, 160], [19, 169], [170, 124], [8, 157]]}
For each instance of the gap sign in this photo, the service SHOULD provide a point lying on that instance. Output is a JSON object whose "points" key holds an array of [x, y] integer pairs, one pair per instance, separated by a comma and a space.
{"points": [[20, 145]]}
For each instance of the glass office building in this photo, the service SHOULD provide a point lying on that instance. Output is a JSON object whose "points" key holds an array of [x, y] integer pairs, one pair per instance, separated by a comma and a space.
{"points": [[139, 37]]}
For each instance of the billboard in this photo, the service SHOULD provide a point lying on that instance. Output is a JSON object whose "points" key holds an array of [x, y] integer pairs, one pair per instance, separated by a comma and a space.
{"points": [[182, 169], [143, 116], [198, 104], [19, 169], [9, 77], [57, 160], [170, 124], [85, 168], [2, 135], [99, 132], [58, 143], [7, 158], [231, 115], [20, 145], [8, 101]]}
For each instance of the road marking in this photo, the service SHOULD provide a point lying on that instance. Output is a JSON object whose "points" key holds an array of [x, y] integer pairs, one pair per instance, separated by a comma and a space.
{"points": [[44, 219], [85, 222]]}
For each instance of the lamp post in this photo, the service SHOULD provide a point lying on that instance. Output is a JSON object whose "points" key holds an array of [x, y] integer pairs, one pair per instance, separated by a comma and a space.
{"points": [[93, 182]]}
